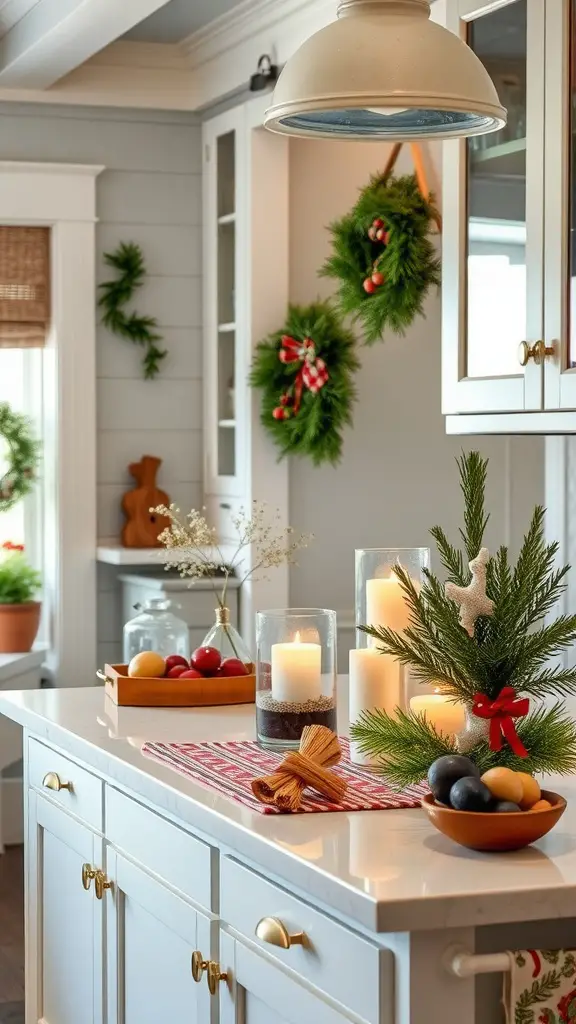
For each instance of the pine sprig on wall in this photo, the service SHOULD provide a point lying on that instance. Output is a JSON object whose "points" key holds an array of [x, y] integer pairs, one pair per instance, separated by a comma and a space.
{"points": [[408, 262], [128, 260]]}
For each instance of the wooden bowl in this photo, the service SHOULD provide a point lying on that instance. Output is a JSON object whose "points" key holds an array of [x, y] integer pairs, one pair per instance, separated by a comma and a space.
{"points": [[495, 832]]}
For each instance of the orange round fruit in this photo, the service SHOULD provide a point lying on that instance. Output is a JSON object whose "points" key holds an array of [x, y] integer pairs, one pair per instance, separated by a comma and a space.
{"points": [[541, 805], [504, 784], [530, 790], [147, 664]]}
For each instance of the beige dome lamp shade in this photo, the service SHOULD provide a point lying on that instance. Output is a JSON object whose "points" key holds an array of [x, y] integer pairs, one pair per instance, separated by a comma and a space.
{"points": [[384, 71]]}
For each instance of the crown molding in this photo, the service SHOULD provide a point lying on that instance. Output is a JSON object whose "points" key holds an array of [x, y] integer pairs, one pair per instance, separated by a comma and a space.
{"points": [[249, 20]]}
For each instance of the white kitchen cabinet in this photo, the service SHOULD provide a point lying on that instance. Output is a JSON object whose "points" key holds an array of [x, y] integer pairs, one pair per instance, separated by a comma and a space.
{"points": [[245, 235], [64, 978], [254, 991], [508, 340], [151, 936]]}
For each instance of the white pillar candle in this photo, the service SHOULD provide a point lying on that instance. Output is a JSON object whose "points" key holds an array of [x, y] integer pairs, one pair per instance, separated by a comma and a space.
{"points": [[440, 711], [374, 683], [296, 671], [386, 604]]}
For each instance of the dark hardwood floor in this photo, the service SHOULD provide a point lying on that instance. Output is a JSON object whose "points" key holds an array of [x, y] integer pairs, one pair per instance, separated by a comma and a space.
{"points": [[12, 936]]}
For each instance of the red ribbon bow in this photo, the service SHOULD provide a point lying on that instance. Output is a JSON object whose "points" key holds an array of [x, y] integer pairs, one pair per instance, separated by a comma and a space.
{"points": [[501, 713], [312, 374]]}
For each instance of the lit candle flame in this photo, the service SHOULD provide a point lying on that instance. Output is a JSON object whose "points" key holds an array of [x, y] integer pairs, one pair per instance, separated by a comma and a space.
{"points": [[297, 637]]}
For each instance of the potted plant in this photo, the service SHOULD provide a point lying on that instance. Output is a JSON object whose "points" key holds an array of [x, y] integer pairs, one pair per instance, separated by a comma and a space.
{"points": [[19, 612]]}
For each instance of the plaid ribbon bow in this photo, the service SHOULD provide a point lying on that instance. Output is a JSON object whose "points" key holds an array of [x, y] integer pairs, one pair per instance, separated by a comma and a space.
{"points": [[312, 373]]}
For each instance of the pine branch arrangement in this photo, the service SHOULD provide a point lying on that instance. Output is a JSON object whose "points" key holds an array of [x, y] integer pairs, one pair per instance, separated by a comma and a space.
{"points": [[311, 427], [407, 263], [511, 648], [128, 260]]}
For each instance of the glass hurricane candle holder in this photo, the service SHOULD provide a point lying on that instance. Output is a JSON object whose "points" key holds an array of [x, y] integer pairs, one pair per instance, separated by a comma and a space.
{"points": [[295, 674], [379, 597]]}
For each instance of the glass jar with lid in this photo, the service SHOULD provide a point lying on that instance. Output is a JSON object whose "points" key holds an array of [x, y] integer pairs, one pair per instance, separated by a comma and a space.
{"points": [[156, 628]]}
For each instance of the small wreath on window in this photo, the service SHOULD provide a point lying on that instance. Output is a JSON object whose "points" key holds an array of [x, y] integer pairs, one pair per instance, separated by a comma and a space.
{"points": [[23, 457]]}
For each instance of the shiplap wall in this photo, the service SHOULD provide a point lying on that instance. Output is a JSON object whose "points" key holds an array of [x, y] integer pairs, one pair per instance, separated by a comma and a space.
{"points": [[149, 193]]}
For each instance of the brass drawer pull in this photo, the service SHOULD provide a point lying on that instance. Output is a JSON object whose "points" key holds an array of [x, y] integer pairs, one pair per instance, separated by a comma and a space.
{"points": [[214, 975], [54, 782], [538, 352], [273, 931], [88, 873], [101, 883], [199, 965]]}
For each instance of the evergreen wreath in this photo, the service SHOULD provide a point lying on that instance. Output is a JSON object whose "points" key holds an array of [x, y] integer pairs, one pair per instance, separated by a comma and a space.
{"points": [[305, 371], [383, 257], [23, 457], [128, 260], [511, 647]]}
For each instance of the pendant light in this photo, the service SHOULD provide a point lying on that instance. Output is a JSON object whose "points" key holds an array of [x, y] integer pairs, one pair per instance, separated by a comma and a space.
{"points": [[384, 71]]}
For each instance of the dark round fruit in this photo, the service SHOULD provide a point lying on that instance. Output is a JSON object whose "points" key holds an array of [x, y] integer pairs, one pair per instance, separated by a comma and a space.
{"points": [[445, 771], [505, 807], [470, 794]]}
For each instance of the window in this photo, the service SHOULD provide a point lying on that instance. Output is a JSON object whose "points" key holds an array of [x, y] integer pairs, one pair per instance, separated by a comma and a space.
{"points": [[21, 387]]}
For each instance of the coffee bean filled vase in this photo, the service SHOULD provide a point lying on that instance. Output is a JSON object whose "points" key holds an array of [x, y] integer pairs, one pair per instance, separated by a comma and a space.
{"points": [[295, 674]]}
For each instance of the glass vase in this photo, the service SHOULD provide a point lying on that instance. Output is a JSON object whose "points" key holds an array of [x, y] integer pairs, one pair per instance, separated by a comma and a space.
{"points": [[379, 597], [226, 638], [295, 674]]}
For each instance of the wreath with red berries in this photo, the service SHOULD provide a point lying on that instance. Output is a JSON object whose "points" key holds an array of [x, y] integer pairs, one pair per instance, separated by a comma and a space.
{"points": [[383, 256], [306, 373], [21, 451]]}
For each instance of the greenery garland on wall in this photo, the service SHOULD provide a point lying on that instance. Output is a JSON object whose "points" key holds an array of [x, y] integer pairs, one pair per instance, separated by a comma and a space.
{"points": [[305, 371], [23, 457], [383, 257], [128, 260]]}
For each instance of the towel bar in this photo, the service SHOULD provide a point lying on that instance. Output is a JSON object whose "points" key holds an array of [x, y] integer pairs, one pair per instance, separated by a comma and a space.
{"points": [[460, 962]]}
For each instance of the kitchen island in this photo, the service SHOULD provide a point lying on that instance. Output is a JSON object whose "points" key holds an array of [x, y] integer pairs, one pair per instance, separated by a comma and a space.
{"points": [[131, 869]]}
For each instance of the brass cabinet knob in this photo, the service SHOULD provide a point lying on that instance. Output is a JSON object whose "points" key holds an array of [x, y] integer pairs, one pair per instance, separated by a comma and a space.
{"points": [[199, 965], [54, 782], [272, 930], [101, 883], [88, 873], [538, 352], [214, 975]]}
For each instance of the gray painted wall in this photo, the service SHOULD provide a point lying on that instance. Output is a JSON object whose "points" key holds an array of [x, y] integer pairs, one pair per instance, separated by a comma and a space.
{"points": [[150, 193], [397, 476]]}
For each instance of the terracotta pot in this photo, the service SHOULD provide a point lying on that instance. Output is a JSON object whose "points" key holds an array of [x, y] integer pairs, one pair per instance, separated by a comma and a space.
{"points": [[18, 626]]}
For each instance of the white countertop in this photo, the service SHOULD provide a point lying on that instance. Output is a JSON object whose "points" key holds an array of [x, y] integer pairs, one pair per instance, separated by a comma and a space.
{"points": [[386, 870]]}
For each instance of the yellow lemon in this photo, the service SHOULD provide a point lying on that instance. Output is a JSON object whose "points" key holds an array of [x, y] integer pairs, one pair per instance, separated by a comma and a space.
{"points": [[147, 664]]}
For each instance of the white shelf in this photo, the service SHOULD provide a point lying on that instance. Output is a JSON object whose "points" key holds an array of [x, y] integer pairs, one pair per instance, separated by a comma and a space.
{"points": [[226, 328], [116, 554], [507, 158], [227, 423], [227, 218]]}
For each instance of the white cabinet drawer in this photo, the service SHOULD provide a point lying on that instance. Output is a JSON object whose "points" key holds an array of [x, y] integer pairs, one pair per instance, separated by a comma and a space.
{"points": [[81, 792], [159, 846], [352, 971]]}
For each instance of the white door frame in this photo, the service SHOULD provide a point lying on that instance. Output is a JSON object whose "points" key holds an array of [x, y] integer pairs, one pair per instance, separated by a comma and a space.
{"points": [[63, 196]]}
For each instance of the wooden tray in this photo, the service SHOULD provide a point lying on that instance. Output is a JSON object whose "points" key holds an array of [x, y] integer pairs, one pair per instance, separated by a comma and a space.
{"points": [[175, 693]]}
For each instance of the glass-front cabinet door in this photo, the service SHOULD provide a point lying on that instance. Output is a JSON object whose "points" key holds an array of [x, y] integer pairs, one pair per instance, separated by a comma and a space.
{"points": [[493, 279], [560, 204], [224, 202]]}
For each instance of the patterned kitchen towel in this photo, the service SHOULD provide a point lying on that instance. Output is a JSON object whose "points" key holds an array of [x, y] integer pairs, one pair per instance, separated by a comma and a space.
{"points": [[230, 768], [541, 987]]}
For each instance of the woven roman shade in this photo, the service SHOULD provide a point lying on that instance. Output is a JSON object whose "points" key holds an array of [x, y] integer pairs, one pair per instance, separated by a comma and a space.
{"points": [[24, 286]]}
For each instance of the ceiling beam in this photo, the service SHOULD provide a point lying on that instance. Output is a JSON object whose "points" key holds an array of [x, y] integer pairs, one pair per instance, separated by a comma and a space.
{"points": [[57, 36]]}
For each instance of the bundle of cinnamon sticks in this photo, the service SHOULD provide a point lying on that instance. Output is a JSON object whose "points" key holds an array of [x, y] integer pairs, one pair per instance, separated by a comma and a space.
{"points": [[319, 751]]}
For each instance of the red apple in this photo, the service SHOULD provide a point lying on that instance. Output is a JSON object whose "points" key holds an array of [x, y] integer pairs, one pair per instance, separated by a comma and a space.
{"points": [[191, 673], [206, 660], [176, 671], [173, 660], [233, 667]]}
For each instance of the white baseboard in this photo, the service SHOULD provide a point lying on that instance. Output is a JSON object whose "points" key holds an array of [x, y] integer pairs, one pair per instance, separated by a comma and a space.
{"points": [[12, 812]]}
